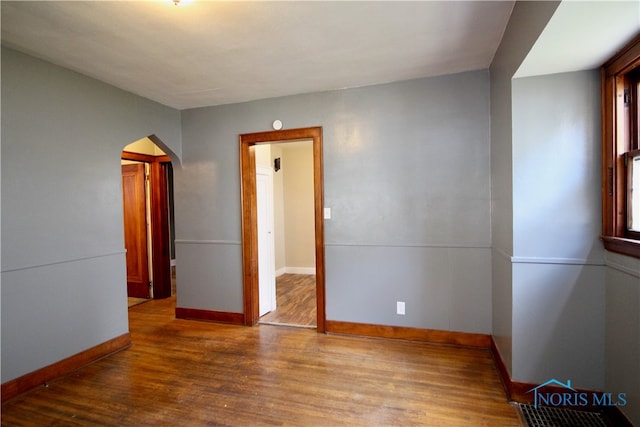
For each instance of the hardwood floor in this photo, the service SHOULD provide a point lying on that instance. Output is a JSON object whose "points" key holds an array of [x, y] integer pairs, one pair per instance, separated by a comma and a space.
{"points": [[295, 301], [133, 301], [190, 373]]}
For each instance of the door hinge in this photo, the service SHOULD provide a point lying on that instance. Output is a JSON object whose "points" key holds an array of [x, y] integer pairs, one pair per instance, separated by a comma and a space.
{"points": [[627, 97]]}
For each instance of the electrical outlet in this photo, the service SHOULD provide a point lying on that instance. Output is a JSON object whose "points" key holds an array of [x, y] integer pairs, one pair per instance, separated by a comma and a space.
{"points": [[400, 308]]}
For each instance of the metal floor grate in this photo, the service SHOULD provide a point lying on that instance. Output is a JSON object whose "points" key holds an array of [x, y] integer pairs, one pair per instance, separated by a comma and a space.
{"points": [[543, 416]]}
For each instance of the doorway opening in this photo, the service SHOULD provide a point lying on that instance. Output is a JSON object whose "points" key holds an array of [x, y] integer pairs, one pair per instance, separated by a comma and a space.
{"points": [[147, 191], [250, 217], [286, 233]]}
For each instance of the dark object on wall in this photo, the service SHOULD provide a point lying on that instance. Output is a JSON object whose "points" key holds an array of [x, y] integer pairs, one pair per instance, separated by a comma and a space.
{"points": [[276, 164]]}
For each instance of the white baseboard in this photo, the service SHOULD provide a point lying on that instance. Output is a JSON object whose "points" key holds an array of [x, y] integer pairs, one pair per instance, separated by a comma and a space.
{"points": [[301, 270], [296, 270]]}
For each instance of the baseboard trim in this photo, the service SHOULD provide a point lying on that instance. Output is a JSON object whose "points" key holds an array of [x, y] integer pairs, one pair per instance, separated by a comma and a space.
{"points": [[465, 339], [209, 316], [296, 270], [503, 373], [520, 392], [618, 417], [517, 391], [22, 384]]}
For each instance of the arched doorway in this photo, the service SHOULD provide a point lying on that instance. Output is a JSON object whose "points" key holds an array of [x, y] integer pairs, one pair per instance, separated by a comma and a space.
{"points": [[147, 182]]}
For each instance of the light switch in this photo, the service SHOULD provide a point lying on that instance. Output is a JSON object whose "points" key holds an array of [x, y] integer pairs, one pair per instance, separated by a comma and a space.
{"points": [[327, 213]]}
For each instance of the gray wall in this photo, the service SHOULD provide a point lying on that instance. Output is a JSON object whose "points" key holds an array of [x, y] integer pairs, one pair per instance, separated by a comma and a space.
{"points": [[622, 349], [561, 306], [558, 259], [63, 262], [527, 21], [298, 200], [406, 170]]}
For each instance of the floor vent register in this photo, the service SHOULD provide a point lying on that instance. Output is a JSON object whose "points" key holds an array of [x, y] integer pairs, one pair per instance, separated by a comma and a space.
{"points": [[543, 416]]}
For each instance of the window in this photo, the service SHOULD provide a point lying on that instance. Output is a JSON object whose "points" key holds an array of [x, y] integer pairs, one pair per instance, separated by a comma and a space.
{"points": [[621, 151]]}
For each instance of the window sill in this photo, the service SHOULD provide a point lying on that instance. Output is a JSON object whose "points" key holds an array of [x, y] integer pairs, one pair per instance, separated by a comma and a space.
{"points": [[621, 245]]}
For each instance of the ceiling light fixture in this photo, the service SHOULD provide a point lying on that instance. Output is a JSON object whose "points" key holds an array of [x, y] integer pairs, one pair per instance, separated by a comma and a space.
{"points": [[180, 3]]}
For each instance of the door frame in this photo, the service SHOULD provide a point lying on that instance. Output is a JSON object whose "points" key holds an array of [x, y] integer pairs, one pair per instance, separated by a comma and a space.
{"points": [[249, 221], [160, 244]]}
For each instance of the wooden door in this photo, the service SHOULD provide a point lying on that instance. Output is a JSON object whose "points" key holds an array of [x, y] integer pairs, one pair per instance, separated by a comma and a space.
{"points": [[135, 229]]}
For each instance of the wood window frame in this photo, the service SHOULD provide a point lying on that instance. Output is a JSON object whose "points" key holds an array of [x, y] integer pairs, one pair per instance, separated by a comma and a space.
{"points": [[620, 138]]}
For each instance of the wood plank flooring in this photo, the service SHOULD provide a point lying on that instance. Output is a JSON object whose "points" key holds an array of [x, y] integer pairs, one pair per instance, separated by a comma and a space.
{"points": [[133, 301], [295, 301], [189, 373]]}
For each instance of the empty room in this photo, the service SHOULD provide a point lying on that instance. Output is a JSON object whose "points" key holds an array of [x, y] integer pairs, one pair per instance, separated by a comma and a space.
{"points": [[350, 213]]}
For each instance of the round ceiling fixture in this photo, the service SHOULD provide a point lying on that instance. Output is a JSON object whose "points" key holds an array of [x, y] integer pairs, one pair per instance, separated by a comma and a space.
{"points": [[277, 124]]}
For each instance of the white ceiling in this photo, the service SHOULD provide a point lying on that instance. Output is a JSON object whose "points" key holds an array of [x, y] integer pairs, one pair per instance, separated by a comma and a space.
{"points": [[582, 35], [211, 53]]}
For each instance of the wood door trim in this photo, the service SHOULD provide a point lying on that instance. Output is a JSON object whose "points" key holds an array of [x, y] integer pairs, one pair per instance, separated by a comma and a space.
{"points": [[146, 158], [160, 256], [250, 223]]}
